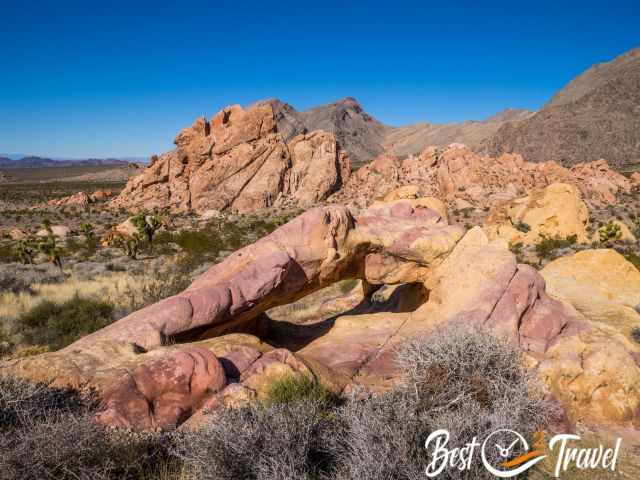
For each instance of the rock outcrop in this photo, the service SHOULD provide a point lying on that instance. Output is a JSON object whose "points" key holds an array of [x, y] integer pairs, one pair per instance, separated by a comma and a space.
{"points": [[455, 173], [80, 199], [241, 162], [141, 364], [556, 211], [60, 231], [600, 284]]}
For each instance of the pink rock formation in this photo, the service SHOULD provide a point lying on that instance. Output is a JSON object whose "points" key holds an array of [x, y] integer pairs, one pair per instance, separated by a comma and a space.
{"points": [[239, 161], [456, 173], [100, 195], [164, 391], [469, 279]]}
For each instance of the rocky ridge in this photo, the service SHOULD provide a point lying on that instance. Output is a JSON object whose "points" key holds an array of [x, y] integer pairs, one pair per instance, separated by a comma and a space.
{"points": [[595, 116], [239, 161], [457, 175]]}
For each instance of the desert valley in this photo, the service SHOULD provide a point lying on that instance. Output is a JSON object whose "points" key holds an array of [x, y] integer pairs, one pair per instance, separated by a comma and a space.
{"points": [[307, 294]]}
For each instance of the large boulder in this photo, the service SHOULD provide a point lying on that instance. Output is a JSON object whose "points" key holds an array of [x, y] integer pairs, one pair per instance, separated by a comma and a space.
{"points": [[556, 211], [80, 199], [239, 161], [600, 284], [164, 391]]}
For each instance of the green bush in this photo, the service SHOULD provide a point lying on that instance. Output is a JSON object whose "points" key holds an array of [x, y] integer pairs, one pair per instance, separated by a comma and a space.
{"points": [[546, 246], [60, 324], [296, 388], [522, 227], [609, 232]]}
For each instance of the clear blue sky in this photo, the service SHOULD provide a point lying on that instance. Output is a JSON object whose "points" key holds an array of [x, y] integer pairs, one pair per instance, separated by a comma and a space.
{"points": [[118, 78]]}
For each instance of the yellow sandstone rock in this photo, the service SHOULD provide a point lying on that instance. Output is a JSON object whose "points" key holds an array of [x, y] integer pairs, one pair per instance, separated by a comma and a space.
{"points": [[556, 211], [600, 284]]}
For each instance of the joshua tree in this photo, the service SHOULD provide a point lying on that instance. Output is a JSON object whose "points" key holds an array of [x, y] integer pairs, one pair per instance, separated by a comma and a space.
{"points": [[25, 250], [87, 231], [46, 224], [147, 224], [50, 248]]}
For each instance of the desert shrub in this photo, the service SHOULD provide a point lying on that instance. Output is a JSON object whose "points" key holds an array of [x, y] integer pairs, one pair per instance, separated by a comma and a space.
{"points": [[297, 388], [50, 433], [609, 232], [59, 324], [379, 438], [547, 245], [22, 401], [463, 380], [8, 254], [219, 235], [522, 227], [280, 442], [17, 277], [635, 334]]}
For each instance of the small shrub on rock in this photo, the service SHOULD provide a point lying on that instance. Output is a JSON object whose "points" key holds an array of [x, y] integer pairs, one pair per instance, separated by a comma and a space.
{"points": [[547, 245], [522, 227], [609, 232], [297, 388]]}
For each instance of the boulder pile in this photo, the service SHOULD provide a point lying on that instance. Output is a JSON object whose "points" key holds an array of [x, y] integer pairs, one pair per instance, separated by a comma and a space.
{"points": [[457, 175]]}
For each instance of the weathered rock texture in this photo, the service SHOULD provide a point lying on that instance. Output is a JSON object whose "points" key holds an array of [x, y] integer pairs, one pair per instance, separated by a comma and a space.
{"points": [[239, 161], [456, 173], [141, 376], [600, 284], [595, 116], [556, 211]]}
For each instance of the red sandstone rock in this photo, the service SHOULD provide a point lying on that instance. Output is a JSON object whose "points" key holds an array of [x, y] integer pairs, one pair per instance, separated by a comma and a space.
{"points": [[164, 391]]}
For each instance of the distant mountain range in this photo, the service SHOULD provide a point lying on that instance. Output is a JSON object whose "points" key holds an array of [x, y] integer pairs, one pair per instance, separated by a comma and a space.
{"points": [[10, 161], [597, 115], [364, 137]]}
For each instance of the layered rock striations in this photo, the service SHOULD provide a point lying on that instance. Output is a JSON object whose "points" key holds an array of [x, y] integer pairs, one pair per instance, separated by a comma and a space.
{"points": [[171, 361]]}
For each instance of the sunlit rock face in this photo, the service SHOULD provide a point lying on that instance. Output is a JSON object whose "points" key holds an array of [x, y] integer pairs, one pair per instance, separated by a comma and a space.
{"points": [[239, 161]]}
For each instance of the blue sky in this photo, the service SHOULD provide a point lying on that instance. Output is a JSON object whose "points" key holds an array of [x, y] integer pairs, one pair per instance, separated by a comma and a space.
{"points": [[115, 78]]}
